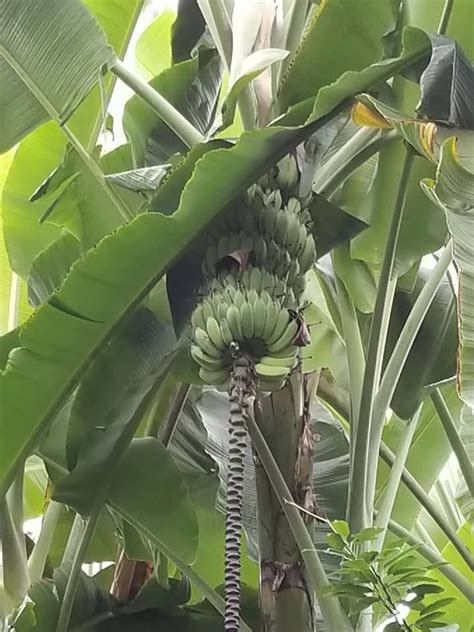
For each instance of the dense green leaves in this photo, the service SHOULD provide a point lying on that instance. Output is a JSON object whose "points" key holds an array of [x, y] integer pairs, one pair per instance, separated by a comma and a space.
{"points": [[41, 152], [192, 87], [104, 286], [54, 39]]}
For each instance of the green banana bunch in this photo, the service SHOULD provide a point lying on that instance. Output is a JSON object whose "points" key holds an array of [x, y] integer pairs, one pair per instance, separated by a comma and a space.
{"points": [[257, 323], [254, 270]]}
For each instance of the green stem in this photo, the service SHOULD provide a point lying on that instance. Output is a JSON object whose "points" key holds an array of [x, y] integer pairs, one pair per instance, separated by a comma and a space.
{"points": [[333, 615], [168, 113], [445, 15], [390, 493], [360, 513], [15, 570], [454, 438], [447, 503], [452, 574], [73, 540], [354, 350], [422, 534], [39, 554], [246, 101], [99, 122], [75, 572], [427, 503]]}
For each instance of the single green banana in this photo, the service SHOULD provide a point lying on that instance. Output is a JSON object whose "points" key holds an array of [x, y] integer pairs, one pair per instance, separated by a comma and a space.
{"points": [[270, 320], [239, 298], [303, 234], [256, 279], [223, 307], [291, 350], [299, 286], [205, 360], [214, 377], [293, 206], [226, 332], [286, 361], [283, 264], [252, 296], [285, 339], [214, 333], [281, 227], [207, 309], [280, 326], [260, 317], [202, 339], [293, 271], [246, 315], [308, 256], [292, 234], [269, 371], [235, 323], [274, 199]]}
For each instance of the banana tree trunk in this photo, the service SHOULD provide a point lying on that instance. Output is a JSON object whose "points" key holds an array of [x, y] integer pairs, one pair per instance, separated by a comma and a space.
{"points": [[284, 421]]}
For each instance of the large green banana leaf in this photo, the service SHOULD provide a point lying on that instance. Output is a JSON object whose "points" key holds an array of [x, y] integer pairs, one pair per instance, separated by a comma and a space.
{"points": [[55, 39], [338, 38]]}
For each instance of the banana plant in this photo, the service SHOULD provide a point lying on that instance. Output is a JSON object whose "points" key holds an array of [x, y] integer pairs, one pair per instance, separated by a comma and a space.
{"points": [[237, 347]]}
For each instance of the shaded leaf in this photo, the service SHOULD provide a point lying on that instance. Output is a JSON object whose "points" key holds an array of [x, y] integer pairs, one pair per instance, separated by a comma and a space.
{"points": [[192, 87], [453, 190], [432, 358], [117, 380], [177, 530], [447, 85], [140, 180], [186, 30]]}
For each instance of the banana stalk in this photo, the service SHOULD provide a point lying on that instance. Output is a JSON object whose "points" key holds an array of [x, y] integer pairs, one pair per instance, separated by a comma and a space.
{"points": [[241, 396]]}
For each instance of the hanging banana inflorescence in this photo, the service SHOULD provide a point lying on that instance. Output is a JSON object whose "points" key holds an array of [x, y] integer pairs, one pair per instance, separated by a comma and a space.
{"points": [[249, 327]]}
